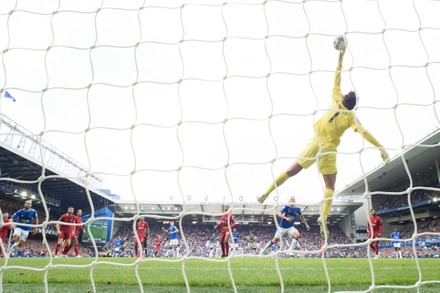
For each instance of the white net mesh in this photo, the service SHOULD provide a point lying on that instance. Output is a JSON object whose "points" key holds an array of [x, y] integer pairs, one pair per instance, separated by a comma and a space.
{"points": [[207, 101]]}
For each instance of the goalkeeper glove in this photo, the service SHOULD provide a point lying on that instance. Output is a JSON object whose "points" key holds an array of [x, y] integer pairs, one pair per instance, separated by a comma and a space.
{"points": [[384, 155]]}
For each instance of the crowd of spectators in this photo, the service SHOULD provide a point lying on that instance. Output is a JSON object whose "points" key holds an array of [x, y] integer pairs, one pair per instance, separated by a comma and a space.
{"points": [[12, 205], [399, 201], [34, 247], [202, 241], [422, 227]]}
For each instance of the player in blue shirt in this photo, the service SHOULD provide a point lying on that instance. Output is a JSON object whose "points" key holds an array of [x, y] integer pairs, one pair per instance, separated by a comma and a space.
{"points": [[235, 236], [116, 247], [173, 232], [26, 215], [287, 215], [396, 243]]}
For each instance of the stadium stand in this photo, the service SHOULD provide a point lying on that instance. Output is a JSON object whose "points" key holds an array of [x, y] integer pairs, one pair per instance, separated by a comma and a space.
{"points": [[253, 237]]}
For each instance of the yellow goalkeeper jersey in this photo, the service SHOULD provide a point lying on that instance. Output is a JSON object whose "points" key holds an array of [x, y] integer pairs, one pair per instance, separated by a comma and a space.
{"points": [[338, 118]]}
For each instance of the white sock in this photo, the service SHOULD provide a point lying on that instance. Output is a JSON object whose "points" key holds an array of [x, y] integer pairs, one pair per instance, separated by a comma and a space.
{"points": [[12, 247], [294, 242], [266, 247]]}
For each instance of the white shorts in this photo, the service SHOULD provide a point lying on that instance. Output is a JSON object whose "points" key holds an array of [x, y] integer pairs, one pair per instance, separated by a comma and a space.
{"points": [[174, 242], [283, 231], [22, 234], [396, 244]]}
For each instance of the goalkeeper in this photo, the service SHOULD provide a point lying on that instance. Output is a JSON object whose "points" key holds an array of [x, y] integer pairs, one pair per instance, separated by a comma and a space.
{"points": [[323, 146]]}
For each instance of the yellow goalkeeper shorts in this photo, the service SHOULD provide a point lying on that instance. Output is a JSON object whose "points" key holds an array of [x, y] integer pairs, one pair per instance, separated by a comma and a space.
{"points": [[326, 162]]}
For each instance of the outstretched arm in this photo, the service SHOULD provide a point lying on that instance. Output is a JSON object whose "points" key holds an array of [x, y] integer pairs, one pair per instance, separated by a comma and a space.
{"points": [[337, 85], [303, 219], [371, 139]]}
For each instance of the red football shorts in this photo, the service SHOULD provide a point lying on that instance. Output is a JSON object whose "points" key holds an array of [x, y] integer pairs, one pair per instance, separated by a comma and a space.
{"points": [[65, 235]]}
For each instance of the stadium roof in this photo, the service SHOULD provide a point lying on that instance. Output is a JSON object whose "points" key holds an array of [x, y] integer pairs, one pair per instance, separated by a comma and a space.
{"points": [[59, 192], [420, 158], [245, 212]]}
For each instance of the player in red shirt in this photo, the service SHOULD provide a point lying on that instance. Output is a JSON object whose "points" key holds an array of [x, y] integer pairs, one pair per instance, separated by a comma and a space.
{"points": [[226, 222], [74, 241], [374, 229], [141, 229], [4, 230], [65, 232], [158, 242]]}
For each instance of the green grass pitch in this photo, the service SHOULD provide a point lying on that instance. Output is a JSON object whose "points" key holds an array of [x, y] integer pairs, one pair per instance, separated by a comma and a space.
{"points": [[205, 275]]}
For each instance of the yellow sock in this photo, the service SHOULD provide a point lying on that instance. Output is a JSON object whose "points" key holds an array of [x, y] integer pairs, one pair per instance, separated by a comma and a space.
{"points": [[278, 181], [327, 203]]}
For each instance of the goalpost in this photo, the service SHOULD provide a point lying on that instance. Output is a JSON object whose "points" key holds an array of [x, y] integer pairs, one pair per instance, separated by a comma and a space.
{"points": [[209, 100]]}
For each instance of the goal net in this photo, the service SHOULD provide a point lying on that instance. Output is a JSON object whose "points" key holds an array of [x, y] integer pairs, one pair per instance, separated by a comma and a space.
{"points": [[203, 103]]}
